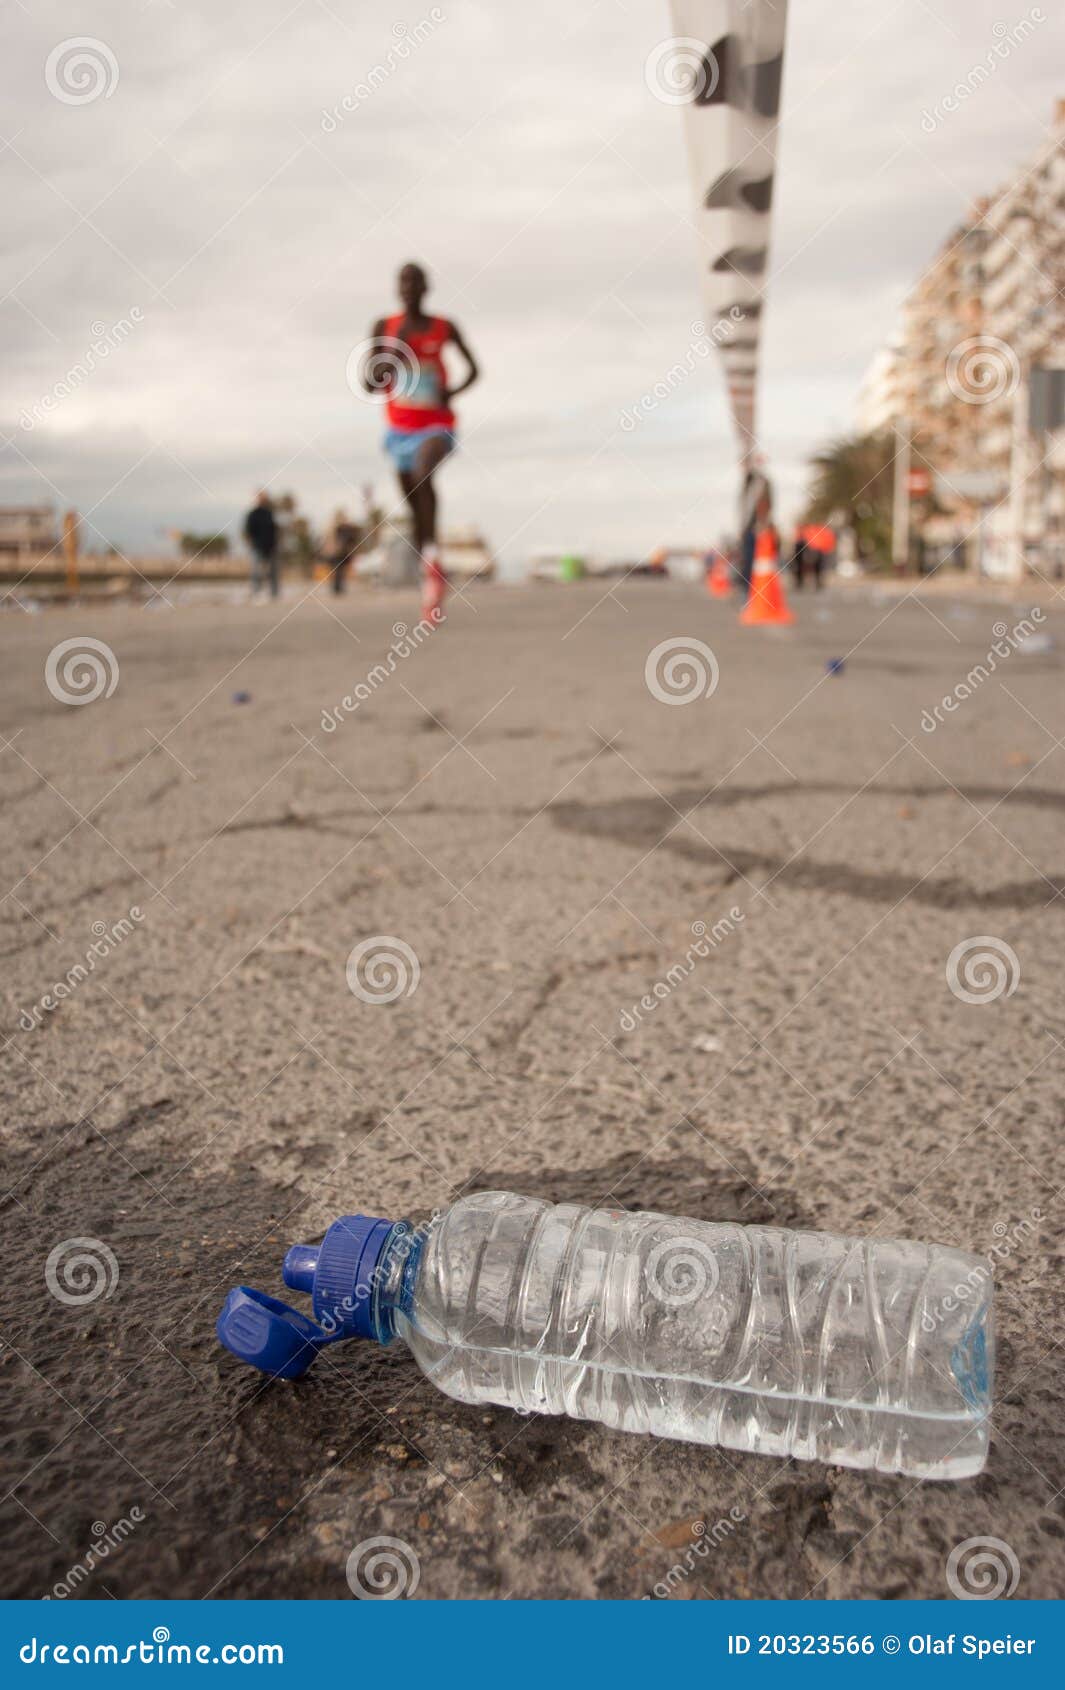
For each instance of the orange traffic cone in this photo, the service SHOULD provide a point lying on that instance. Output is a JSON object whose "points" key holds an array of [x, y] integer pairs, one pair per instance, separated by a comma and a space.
{"points": [[719, 579], [766, 606]]}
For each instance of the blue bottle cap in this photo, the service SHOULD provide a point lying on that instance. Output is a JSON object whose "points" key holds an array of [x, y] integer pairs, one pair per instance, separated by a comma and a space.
{"points": [[342, 1277], [342, 1273]]}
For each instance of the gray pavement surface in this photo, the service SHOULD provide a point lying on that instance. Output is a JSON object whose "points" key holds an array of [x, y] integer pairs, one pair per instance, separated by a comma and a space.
{"points": [[514, 804]]}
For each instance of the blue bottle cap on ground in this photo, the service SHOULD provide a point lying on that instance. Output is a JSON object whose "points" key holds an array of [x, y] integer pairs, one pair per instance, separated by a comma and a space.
{"points": [[342, 1277]]}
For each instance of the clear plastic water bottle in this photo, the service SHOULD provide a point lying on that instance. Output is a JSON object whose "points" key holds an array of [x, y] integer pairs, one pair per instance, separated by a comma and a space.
{"points": [[866, 1354]]}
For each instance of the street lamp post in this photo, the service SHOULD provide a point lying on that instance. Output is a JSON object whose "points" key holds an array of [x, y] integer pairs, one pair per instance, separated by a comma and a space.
{"points": [[900, 512]]}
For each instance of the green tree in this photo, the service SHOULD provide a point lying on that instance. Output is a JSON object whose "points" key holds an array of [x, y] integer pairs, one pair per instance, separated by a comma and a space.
{"points": [[204, 545], [854, 479]]}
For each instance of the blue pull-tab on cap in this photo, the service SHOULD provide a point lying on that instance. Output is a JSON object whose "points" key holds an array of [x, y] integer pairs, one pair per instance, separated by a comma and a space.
{"points": [[267, 1334]]}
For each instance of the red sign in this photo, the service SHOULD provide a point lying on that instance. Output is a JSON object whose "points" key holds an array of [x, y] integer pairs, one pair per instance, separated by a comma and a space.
{"points": [[918, 483]]}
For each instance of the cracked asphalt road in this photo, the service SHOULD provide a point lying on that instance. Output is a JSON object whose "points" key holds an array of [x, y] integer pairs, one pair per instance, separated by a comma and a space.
{"points": [[515, 805]]}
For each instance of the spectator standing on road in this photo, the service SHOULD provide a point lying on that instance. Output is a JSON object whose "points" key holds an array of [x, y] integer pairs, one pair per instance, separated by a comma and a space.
{"points": [[262, 534], [819, 543]]}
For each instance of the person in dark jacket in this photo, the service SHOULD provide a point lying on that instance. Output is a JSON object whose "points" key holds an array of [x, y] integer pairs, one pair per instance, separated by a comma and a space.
{"points": [[800, 558], [263, 536]]}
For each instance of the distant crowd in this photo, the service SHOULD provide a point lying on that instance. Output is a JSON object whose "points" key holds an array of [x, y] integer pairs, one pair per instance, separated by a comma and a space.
{"points": [[336, 551]]}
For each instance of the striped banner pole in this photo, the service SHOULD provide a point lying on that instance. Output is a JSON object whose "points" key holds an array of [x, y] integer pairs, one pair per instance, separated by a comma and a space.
{"points": [[725, 63]]}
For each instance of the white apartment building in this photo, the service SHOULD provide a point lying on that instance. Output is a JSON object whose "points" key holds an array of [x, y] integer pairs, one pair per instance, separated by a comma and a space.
{"points": [[878, 396], [985, 313]]}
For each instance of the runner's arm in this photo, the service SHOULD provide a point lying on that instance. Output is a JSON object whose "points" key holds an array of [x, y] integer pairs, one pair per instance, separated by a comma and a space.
{"points": [[472, 369], [376, 367]]}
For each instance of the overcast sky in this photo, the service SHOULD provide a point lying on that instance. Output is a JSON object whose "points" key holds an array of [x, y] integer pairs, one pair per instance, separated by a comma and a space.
{"points": [[248, 241]]}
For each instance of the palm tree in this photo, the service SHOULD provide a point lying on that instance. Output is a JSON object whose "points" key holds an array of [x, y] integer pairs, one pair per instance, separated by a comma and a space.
{"points": [[854, 479]]}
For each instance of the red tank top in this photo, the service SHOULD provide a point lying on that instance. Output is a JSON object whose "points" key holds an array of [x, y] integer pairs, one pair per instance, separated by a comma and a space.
{"points": [[420, 402]]}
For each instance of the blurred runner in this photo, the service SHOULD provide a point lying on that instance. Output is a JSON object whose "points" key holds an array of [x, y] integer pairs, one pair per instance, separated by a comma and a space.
{"points": [[262, 534], [406, 363], [818, 543], [342, 540]]}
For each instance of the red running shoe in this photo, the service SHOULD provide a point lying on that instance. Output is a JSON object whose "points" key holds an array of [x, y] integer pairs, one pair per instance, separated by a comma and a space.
{"points": [[434, 587]]}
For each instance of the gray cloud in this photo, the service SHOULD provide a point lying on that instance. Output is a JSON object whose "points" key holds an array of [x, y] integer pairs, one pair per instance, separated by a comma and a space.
{"points": [[519, 153]]}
